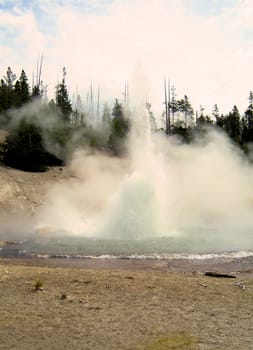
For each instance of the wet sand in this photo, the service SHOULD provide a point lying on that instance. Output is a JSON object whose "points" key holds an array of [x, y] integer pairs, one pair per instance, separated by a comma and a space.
{"points": [[241, 267]]}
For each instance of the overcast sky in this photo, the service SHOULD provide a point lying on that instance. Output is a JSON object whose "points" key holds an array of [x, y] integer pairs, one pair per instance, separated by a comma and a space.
{"points": [[204, 46]]}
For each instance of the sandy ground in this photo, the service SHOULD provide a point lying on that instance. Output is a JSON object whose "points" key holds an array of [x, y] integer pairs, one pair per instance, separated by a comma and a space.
{"points": [[148, 308], [95, 304]]}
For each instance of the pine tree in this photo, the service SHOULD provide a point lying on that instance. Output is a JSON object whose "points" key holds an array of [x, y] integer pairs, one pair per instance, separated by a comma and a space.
{"points": [[185, 107], [24, 87], [232, 125], [21, 90], [17, 94], [36, 91], [119, 128], [215, 112], [10, 78], [62, 98], [9, 81], [4, 101], [247, 122], [120, 124], [203, 121], [249, 111], [117, 111], [23, 148]]}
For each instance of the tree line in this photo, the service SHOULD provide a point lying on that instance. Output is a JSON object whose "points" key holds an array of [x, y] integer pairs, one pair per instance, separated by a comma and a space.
{"points": [[187, 124], [48, 134]]}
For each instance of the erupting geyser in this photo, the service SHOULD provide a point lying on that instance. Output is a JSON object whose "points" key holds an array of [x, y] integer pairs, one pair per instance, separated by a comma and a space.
{"points": [[179, 197]]}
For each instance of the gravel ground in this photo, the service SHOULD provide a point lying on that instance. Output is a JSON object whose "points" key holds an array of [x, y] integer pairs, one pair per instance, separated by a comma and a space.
{"points": [[123, 308]]}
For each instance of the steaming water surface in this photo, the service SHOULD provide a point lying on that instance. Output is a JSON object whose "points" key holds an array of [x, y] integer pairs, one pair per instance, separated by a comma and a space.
{"points": [[197, 244]]}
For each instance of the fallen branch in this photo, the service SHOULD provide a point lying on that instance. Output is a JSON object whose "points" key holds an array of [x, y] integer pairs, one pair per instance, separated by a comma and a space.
{"points": [[217, 274]]}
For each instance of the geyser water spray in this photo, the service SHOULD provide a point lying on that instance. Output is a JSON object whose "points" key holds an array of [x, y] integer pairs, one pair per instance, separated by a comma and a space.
{"points": [[176, 197]]}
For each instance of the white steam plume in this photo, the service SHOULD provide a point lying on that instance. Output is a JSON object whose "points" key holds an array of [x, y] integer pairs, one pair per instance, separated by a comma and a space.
{"points": [[163, 188]]}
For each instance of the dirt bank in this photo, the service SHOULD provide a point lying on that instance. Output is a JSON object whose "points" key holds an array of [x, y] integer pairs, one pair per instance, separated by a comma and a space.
{"points": [[23, 192]]}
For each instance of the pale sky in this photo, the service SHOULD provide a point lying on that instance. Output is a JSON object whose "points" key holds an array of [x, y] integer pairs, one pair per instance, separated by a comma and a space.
{"points": [[204, 46]]}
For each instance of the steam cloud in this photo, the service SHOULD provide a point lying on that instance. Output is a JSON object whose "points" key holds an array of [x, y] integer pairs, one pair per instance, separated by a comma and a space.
{"points": [[163, 188]]}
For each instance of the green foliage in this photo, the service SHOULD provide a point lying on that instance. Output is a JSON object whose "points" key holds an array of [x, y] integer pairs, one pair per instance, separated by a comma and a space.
{"points": [[62, 98], [13, 95], [119, 129], [247, 123], [10, 78], [36, 92], [24, 149], [9, 81], [58, 138], [24, 95], [7, 90], [185, 134], [232, 124], [4, 99], [95, 138], [180, 341], [203, 121], [84, 136], [220, 121], [21, 93], [185, 107], [117, 111]]}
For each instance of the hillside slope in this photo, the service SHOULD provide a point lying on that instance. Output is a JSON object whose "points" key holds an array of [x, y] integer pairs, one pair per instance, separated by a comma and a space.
{"points": [[22, 192]]}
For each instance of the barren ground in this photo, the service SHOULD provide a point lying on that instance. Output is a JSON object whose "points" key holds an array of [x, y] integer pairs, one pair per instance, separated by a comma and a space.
{"points": [[23, 192], [120, 309]]}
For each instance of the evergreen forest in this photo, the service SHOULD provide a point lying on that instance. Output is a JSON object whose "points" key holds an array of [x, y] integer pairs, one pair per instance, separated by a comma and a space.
{"points": [[39, 133]]}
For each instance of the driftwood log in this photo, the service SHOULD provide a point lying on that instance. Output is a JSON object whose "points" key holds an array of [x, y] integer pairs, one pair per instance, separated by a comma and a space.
{"points": [[217, 274]]}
